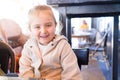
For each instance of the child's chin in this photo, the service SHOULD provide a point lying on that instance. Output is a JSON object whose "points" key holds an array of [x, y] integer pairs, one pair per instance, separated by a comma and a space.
{"points": [[43, 43]]}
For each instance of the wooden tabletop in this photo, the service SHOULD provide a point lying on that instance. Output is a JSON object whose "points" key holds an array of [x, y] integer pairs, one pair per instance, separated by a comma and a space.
{"points": [[80, 36]]}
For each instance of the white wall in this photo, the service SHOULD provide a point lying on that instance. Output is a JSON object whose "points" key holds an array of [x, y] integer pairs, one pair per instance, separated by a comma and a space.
{"points": [[17, 10]]}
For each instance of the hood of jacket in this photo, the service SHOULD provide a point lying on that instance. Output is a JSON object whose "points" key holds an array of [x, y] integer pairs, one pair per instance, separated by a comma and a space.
{"points": [[33, 43]]}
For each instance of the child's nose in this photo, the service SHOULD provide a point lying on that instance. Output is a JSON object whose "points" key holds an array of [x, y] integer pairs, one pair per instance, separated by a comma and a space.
{"points": [[43, 30]]}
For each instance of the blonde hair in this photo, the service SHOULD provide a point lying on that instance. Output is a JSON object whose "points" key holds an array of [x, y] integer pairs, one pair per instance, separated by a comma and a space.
{"points": [[37, 9]]}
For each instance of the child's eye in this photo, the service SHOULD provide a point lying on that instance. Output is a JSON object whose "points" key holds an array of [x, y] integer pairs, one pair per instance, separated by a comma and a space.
{"points": [[36, 27], [49, 24]]}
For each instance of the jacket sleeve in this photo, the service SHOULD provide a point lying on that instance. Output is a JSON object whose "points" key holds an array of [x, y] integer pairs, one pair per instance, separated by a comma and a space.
{"points": [[69, 63], [25, 68]]}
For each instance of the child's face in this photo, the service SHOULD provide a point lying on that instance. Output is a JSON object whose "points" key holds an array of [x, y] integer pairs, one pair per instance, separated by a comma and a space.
{"points": [[43, 27]]}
